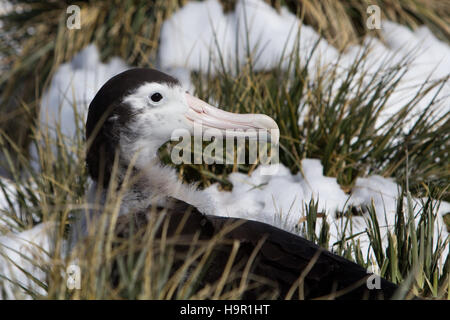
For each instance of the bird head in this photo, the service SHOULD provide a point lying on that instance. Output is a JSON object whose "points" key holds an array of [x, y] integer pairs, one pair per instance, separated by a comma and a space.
{"points": [[138, 110]]}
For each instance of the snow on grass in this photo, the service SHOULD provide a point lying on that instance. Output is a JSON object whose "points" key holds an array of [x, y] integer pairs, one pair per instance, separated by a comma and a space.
{"points": [[384, 194], [75, 84], [281, 200], [200, 37], [20, 254]]}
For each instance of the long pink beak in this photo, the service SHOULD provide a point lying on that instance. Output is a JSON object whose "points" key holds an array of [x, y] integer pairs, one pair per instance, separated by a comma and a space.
{"points": [[233, 124]]}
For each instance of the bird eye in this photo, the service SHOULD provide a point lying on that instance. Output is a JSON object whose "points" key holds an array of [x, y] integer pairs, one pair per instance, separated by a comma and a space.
{"points": [[156, 97]]}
